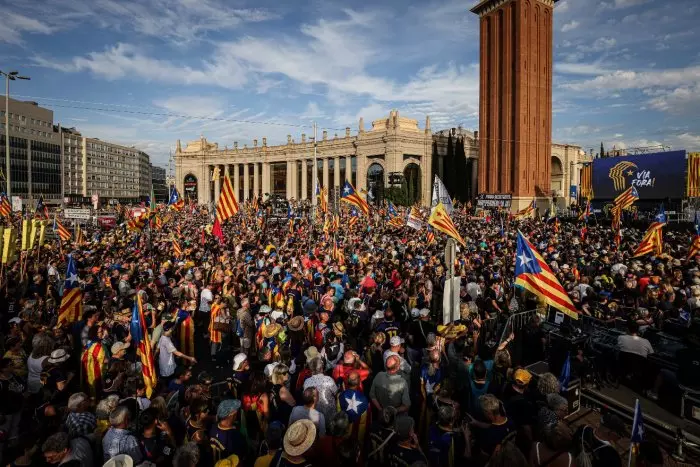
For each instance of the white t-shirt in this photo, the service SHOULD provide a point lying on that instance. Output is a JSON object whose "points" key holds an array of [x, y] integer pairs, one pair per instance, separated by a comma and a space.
{"points": [[166, 358], [205, 300]]}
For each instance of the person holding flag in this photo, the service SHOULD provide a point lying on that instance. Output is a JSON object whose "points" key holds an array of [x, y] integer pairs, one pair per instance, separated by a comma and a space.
{"points": [[141, 341], [71, 309]]}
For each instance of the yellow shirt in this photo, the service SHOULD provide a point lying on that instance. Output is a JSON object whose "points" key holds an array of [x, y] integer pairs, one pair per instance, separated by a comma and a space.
{"points": [[264, 461]]}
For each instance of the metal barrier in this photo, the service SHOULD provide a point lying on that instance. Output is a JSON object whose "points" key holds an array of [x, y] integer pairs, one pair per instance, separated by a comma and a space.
{"points": [[518, 321]]}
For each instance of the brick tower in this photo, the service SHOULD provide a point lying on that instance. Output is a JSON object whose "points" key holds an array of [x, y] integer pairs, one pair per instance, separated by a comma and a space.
{"points": [[515, 99]]}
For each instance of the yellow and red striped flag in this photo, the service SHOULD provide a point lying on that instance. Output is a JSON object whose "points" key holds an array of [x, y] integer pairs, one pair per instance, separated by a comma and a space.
{"points": [[140, 339], [396, 222], [336, 222], [177, 249], [186, 333], [651, 242], [349, 195], [71, 308], [441, 221], [430, 236], [136, 224], [63, 233], [693, 188], [5, 206], [92, 366], [227, 206], [626, 199], [526, 211], [79, 235]]}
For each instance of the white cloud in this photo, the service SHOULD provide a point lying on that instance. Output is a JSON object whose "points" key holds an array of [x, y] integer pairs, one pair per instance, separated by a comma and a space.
{"points": [[619, 4], [591, 69], [689, 141], [681, 100], [603, 43], [570, 26], [14, 25], [628, 79]]}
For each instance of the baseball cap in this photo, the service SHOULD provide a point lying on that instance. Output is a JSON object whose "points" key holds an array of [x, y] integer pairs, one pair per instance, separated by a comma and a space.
{"points": [[396, 340], [238, 360]]}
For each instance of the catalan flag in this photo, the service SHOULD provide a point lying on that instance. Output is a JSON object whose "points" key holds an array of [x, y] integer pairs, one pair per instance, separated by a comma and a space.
{"points": [[136, 224], [63, 233], [357, 407], [41, 210], [71, 308], [441, 221], [157, 222], [140, 340], [354, 217], [526, 211], [396, 222], [322, 196], [336, 222], [585, 214], [626, 199], [5, 206], [227, 206], [326, 225], [693, 187], [79, 235], [175, 202], [430, 236], [177, 249], [637, 435], [92, 366], [349, 195], [533, 274], [186, 333], [651, 242], [337, 252]]}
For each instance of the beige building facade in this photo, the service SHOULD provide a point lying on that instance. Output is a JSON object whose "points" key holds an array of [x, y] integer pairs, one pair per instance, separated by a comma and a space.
{"points": [[392, 145], [111, 171]]}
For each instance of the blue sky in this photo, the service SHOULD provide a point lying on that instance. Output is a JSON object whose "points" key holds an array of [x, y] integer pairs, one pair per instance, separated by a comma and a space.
{"points": [[141, 72]]}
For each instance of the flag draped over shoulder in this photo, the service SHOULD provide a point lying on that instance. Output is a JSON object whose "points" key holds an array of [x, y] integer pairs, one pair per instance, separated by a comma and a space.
{"points": [[441, 221], [140, 339], [349, 195], [533, 274], [92, 366], [71, 308], [186, 333]]}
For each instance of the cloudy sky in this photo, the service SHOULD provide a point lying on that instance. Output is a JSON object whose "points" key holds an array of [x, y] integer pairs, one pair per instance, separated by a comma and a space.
{"points": [[147, 72]]}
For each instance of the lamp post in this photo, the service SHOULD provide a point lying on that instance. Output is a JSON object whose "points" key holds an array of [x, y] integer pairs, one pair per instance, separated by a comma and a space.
{"points": [[10, 76]]}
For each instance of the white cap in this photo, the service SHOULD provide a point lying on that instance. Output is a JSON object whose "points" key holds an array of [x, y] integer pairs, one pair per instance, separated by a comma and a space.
{"points": [[15, 320], [396, 340], [238, 360], [269, 368], [415, 312]]}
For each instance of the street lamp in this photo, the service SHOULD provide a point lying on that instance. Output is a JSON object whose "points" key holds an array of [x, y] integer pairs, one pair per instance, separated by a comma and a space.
{"points": [[10, 76]]}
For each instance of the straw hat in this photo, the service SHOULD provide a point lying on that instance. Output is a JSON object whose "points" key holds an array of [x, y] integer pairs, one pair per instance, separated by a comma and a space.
{"points": [[271, 330], [120, 460], [58, 356], [296, 323], [299, 437]]}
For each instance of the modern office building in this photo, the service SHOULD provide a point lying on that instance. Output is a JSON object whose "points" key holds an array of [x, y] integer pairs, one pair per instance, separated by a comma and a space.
{"points": [[368, 159], [35, 152], [111, 171], [160, 186]]}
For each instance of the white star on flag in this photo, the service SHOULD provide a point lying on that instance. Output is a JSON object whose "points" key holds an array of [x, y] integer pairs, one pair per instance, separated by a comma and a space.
{"points": [[353, 404], [346, 190], [524, 260], [73, 278]]}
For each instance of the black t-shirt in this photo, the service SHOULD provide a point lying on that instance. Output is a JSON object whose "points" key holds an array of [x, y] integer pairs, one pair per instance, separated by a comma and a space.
{"points": [[492, 436], [689, 367], [420, 335], [400, 456], [602, 453], [157, 449]]}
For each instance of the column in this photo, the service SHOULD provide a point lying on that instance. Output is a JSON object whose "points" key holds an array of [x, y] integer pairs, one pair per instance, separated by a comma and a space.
{"points": [[217, 185], [292, 167], [236, 183], [361, 173], [226, 170], [288, 181], [246, 182], [336, 171], [304, 179], [348, 169], [204, 186], [265, 178], [256, 179], [325, 174]]}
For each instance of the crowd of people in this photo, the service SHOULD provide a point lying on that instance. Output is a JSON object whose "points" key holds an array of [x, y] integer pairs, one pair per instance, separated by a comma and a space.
{"points": [[273, 350]]}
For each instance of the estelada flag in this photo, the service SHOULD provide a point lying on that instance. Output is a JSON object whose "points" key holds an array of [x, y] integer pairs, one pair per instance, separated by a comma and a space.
{"points": [[63, 233], [652, 241], [92, 366], [71, 308], [140, 339], [533, 274], [441, 221]]}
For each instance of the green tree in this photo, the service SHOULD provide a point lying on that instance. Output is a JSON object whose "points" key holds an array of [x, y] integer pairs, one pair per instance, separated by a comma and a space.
{"points": [[448, 166], [602, 150]]}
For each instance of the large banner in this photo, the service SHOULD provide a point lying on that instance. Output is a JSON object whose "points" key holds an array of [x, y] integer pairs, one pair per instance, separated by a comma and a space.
{"points": [[655, 176]]}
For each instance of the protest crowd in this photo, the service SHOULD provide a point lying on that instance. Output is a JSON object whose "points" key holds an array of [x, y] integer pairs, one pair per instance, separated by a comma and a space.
{"points": [[320, 340]]}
